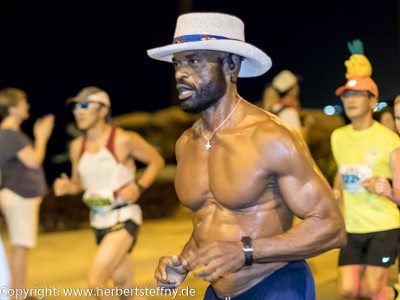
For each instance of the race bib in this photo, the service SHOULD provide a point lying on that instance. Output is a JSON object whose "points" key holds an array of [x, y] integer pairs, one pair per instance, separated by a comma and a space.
{"points": [[352, 175], [100, 201]]}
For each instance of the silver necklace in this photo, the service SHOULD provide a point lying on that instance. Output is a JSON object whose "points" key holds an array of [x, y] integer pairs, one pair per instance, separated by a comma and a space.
{"points": [[208, 145]]}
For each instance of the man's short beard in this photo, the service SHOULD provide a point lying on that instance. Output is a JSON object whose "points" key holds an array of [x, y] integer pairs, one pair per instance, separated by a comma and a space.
{"points": [[207, 95]]}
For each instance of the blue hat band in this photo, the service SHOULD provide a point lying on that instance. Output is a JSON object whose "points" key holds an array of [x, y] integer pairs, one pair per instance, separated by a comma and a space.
{"points": [[199, 37]]}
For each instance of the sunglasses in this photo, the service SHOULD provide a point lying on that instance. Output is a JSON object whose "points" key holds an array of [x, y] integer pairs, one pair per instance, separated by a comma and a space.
{"points": [[75, 106], [353, 93]]}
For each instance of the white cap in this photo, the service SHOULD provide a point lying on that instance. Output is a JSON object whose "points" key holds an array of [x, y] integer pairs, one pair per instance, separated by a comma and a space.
{"points": [[284, 81]]}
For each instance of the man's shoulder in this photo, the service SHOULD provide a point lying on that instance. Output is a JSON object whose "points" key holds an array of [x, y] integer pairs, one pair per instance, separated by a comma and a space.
{"points": [[189, 133], [280, 147], [77, 143], [254, 116], [271, 127], [122, 134], [274, 139], [127, 138], [383, 130]]}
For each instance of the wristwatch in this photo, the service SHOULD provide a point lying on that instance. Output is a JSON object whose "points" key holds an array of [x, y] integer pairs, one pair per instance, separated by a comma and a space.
{"points": [[248, 251], [141, 188]]}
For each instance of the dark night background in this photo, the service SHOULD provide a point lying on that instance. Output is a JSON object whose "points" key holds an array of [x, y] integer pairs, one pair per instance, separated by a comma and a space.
{"points": [[53, 49]]}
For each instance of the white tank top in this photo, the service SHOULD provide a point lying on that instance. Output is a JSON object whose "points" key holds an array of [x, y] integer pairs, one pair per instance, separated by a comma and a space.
{"points": [[102, 176]]}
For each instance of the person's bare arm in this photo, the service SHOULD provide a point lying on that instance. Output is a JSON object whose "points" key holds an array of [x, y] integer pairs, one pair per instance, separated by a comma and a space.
{"points": [[141, 150], [172, 270], [190, 247], [382, 186], [64, 185], [33, 157], [309, 196]]}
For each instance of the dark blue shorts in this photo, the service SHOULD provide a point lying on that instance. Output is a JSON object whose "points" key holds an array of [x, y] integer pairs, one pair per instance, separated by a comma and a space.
{"points": [[292, 282]]}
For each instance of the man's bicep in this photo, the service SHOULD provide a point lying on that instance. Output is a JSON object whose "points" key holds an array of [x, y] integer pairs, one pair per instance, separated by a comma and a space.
{"points": [[305, 199], [303, 187]]}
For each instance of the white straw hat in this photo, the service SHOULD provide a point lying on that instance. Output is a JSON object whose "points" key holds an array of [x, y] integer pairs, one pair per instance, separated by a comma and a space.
{"points": [[214, 31]]}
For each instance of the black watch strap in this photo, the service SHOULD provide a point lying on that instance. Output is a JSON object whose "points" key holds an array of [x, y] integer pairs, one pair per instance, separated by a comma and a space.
{"points": [[248, 251], [141, 188]]}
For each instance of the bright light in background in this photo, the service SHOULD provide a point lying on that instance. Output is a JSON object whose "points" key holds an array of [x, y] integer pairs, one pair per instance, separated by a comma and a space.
{"points": [[380, 106], [338, 109], [329, 110]]}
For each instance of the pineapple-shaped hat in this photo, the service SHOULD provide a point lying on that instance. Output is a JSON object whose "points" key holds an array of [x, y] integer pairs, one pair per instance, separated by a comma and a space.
{"points": [[359, 71]]}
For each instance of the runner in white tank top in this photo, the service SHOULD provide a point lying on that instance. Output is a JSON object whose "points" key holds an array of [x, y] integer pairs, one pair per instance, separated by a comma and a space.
{"points": [[102, 176], [103, 165]]}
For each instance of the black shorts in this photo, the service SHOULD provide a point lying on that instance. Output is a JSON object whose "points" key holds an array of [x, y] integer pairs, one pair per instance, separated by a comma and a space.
{"points": [[374, 249], [131, 227]]}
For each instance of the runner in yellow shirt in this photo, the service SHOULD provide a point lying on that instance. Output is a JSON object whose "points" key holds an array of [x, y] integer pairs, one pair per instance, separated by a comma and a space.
{"points": [[362, 151]]}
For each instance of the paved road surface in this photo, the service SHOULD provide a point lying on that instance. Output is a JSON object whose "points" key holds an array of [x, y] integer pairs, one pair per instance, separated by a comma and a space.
{"points": [[62, 259]]}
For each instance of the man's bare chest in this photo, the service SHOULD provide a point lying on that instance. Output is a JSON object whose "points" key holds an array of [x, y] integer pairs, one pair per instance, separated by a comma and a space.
{"points": [[231, 173]]}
